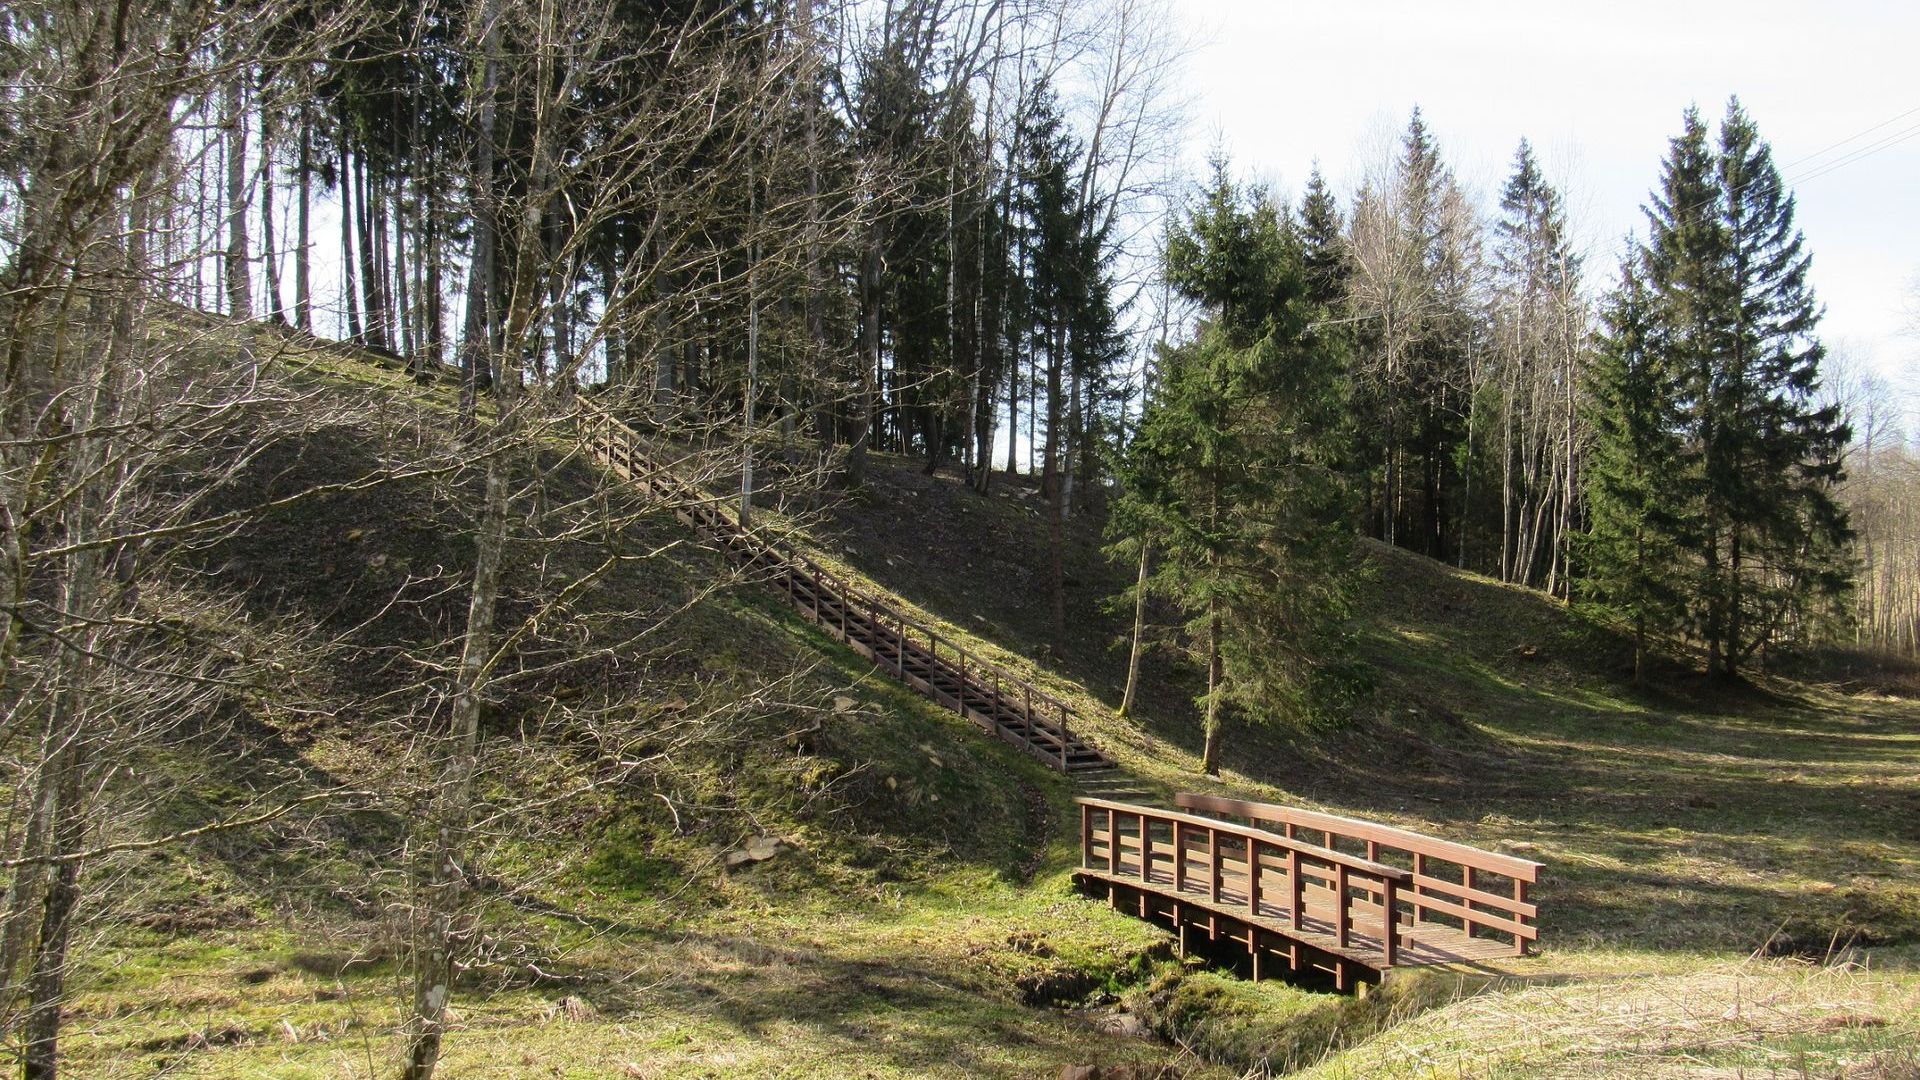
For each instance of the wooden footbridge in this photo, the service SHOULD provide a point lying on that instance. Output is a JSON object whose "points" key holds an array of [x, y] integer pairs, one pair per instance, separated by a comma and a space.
{"points": [[1003, 703], [1312, 891]]}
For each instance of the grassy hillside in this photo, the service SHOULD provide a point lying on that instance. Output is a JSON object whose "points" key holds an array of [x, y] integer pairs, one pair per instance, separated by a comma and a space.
{"points": [[1733, 879], [914, 918]]}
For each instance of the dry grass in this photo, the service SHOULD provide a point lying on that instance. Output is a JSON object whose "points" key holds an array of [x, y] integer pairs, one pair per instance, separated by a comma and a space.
{"points": [[1737, 1019]]}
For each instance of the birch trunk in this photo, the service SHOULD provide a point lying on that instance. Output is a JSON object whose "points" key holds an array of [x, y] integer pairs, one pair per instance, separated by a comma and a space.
{"points": [[1139, 631]]}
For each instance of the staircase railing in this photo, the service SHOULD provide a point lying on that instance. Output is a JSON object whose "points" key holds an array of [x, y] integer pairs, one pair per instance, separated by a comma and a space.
{"points": [[1020, 712]]}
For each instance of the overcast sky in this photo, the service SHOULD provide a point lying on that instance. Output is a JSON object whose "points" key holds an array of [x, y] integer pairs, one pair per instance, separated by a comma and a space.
{"points": [[1599, 88]]}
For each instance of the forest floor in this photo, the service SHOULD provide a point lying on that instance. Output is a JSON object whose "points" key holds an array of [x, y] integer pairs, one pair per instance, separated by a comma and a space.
{"points": [[1732, 883]]}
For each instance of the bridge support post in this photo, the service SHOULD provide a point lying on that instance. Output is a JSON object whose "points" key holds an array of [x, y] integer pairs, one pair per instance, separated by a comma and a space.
{"points": [[1472, 882], [1146, 849], [1296, 887], [1213, 866], [1113, 842], [1341, 927], [1179, 860], [1390, 932], [1253, 876], [1519, 896]]}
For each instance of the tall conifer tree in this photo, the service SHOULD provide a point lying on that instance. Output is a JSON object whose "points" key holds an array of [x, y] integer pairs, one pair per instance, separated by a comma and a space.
{"points": [[1233, 473], [1727, 285], [1634, 482]]}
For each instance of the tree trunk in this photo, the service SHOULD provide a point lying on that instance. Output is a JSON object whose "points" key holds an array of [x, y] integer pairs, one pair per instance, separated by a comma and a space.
{"points": [[1736, 600], [1013, 404], [1640, 652], [269, 251], [239, 282], [444, 882], [558, 315], [46, 986], [434, 332], [1210, 752], [372, 242], [1071, 466], [349, 281], [753, 357], [610, 336], [825, 406], [870, 270], [395, 195], [476, 353], [1054, 486], [302, 263], [1139, 631]]}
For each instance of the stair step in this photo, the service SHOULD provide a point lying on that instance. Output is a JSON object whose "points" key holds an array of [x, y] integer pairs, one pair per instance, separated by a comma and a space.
{"points": [[944, 678]]}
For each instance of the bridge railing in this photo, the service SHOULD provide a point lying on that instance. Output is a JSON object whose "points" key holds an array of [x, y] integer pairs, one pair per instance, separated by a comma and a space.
{"points": [[626, 452], [1453, 884], [1210, 859]]}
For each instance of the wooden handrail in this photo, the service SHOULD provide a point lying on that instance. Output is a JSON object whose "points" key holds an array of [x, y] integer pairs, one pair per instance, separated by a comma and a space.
{"points": [[1354, 828], [1380, 871], [1342, 874], [609, 433], [1475, 907]]}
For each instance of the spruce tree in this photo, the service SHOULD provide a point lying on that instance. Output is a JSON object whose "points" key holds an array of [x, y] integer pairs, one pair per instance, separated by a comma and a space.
{"points": [[1634, 479], [1782, 452], [1232, 476], [1727, 285], [1322, 236]]}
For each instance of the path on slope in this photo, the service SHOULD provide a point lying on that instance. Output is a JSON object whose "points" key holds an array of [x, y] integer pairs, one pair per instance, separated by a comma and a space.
{"points": [[1002, 703]]}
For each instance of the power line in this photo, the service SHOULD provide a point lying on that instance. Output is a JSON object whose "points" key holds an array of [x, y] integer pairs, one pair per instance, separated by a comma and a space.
{"points": [[1849, 158], [1850, 138], [1862, 153]]}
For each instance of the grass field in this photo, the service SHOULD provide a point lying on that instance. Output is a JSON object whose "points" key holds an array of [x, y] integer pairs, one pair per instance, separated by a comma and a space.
{"points": [[1732, 883]]}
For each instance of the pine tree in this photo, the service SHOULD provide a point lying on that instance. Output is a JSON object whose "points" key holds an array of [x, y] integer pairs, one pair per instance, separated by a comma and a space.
{"points": [[1634, 478]]}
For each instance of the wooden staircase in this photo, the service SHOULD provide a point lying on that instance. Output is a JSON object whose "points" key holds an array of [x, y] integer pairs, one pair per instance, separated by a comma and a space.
{"points": [[1000, 702]]}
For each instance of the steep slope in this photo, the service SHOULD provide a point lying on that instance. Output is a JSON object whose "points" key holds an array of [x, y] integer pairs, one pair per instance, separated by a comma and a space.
{"points": [[777, 862]]}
